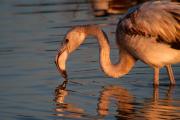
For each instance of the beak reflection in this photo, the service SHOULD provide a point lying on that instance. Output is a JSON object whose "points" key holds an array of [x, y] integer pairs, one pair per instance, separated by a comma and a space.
{"points": [[63, 108]]}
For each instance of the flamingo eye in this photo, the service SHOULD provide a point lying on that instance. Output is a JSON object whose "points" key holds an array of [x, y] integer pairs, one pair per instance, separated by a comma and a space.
{"points": [[66, 41]]}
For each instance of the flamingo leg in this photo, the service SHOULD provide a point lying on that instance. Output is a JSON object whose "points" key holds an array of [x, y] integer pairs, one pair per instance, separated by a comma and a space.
{"points": [[171, 75], [156, 94], [156, 76]]}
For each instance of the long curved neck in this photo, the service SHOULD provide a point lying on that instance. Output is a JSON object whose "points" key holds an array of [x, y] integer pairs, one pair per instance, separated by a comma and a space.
{"points": [[125, 62]]}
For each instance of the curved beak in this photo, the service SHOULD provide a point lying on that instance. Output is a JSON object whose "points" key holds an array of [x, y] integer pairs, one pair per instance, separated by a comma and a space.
{"points": [[60, 61]]}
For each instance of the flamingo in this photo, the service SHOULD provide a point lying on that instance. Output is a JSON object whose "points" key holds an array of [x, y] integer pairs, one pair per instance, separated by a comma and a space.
{"points": [[148, 32]]}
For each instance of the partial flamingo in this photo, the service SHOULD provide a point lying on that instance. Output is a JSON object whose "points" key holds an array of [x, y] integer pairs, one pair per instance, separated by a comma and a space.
{"points": [[148, 32]]}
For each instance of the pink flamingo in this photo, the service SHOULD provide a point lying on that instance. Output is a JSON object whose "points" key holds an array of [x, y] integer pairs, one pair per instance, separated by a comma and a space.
{"points": [[148, 32]]}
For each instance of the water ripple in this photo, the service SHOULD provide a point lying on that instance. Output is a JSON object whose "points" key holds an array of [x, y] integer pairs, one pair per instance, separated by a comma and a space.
{"points": [[50, 4]]}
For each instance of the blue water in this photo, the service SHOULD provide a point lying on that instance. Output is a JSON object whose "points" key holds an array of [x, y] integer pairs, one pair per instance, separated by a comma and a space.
{"points": [[30, 85]]}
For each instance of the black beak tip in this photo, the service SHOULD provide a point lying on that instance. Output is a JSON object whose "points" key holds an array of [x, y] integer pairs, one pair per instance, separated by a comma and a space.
{"points": [[64, 74]]}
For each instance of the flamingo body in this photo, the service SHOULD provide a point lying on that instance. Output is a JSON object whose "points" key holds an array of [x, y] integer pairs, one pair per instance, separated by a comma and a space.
{"points": [[148, 32]]}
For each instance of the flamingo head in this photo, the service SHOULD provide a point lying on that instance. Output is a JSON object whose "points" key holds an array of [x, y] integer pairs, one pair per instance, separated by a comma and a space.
{"points": [[71, 42]]}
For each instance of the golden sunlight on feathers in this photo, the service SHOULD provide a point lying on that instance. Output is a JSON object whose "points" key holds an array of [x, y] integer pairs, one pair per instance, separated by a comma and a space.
{"points": [[148, 32]]}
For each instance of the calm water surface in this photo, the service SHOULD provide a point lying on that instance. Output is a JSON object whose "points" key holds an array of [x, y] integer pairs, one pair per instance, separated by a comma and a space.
{"points": [[31, 88]]}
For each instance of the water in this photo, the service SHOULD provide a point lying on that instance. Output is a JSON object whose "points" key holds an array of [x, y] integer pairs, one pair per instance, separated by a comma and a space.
{"points": [[31, 87]]}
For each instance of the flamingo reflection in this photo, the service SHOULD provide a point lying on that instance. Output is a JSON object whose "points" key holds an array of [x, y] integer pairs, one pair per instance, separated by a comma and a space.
{"points": [[125, 103]]}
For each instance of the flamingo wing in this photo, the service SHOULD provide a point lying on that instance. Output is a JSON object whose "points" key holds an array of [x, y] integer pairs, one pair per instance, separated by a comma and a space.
{"points": [[158, 19]]}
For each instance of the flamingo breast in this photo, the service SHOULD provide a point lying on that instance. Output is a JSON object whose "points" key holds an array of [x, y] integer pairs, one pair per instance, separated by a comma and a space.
{"points": [[148, 50]]}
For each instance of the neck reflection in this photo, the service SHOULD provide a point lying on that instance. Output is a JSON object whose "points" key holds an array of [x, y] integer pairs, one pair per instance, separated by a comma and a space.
{"points": [[123, 99]]}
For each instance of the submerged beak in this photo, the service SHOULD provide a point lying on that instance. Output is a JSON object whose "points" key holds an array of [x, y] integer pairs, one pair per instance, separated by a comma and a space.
{"points": [[60, 61]]}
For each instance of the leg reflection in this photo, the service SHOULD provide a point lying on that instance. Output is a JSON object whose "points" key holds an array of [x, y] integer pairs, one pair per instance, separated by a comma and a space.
{"points": [[159, 109]]}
